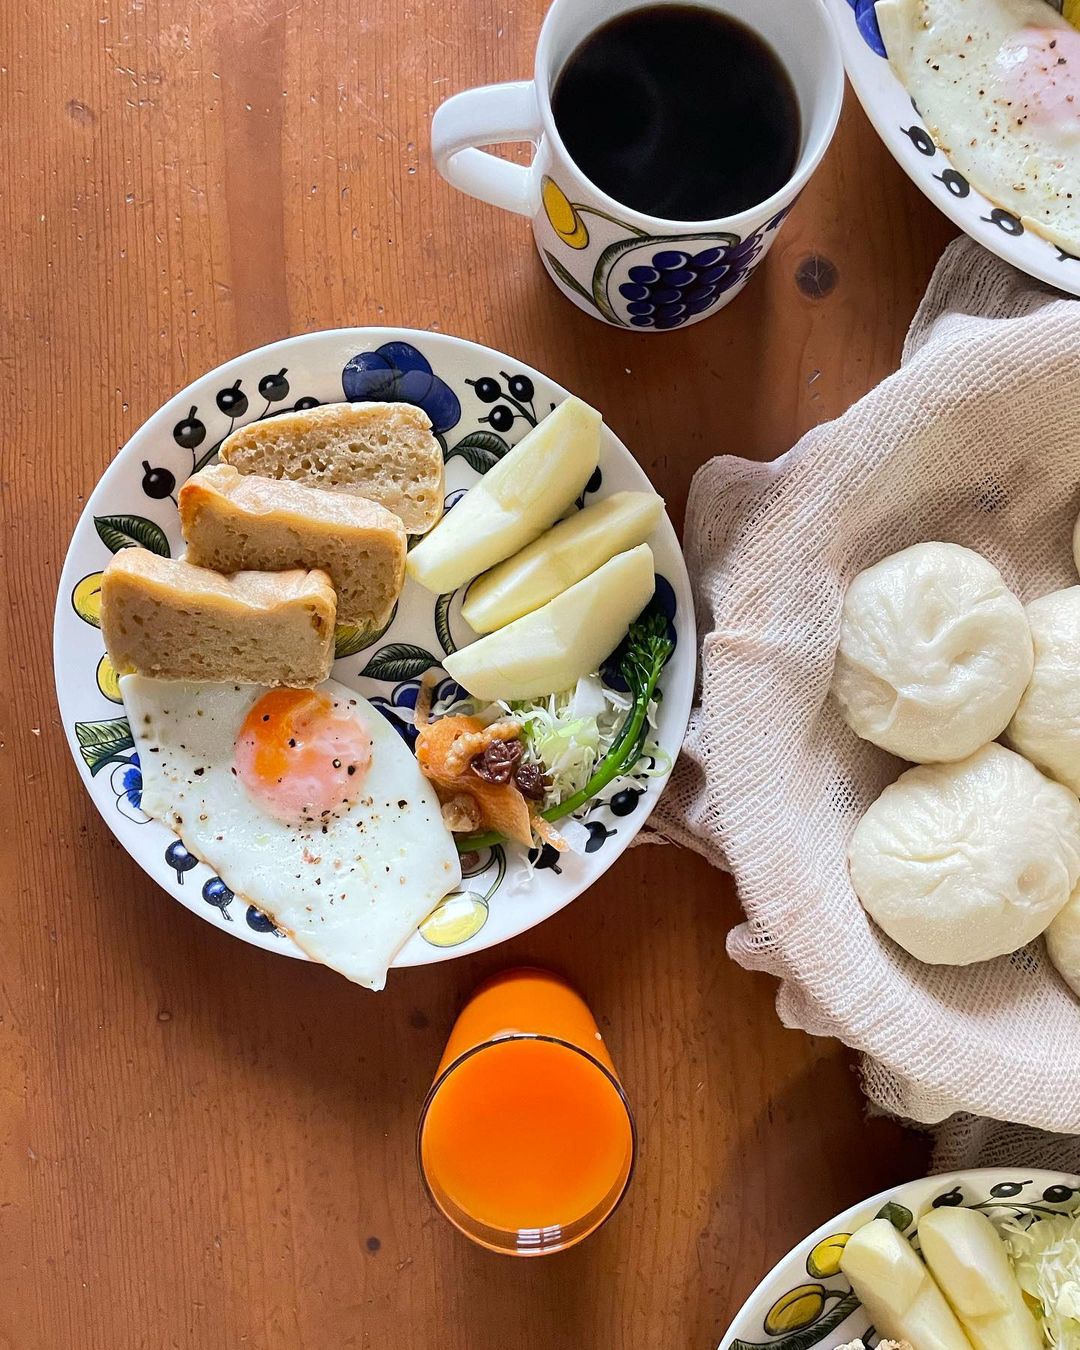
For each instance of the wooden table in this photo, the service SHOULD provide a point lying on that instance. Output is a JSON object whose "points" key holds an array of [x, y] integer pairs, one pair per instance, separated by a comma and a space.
{"points": [[204, 1146]]}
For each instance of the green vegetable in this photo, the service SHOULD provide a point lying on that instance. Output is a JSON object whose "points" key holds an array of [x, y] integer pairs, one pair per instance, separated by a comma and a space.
{"points": [[568, 733], [648, 649]]}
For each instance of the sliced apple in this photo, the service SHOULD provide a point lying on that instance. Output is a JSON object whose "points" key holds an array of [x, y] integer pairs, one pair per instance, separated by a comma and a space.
{"points": [[968, 1260], [516, 500], [897, 1291], [560, 558], [551, 648]]}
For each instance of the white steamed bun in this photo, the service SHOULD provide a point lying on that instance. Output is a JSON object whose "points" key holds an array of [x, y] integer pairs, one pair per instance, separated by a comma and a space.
{"points": [[934, 653], [1046, 725], [964, 862], [1063, 943]]}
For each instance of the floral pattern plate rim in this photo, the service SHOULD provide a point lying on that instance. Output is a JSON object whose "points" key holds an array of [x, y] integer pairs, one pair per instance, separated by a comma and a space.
{"points": [[480, 402], [805, 1302], [889, 107]]}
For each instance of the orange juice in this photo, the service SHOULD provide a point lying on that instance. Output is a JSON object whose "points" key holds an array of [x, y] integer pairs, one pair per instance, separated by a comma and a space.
{"points": [[526, 1141], [527, 1000]]}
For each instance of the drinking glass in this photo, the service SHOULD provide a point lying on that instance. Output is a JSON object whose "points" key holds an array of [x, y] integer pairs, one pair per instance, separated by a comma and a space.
{"points": [[526, 1141]]}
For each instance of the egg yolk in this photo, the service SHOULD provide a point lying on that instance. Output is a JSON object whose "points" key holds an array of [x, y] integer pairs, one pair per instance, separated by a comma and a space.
{"points": [[1039, 69], [302, 756]]}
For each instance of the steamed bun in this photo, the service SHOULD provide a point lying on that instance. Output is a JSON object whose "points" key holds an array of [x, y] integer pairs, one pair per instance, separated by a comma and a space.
{"points": [[964, 862], [1063, 943], [1046, 725], [934, 653]]}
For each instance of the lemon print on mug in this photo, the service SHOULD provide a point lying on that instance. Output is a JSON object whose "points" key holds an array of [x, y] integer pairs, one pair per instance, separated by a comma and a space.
{"points": [[563, 215]]}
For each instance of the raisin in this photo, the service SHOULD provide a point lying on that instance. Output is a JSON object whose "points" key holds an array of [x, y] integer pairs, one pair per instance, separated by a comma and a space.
{"points": [[530, 782], [495, 764]]}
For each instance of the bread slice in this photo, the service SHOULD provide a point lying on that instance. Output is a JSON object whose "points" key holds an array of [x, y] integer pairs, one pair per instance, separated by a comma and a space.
{"points": [[173, 621], [382, 451], [235, 521]]}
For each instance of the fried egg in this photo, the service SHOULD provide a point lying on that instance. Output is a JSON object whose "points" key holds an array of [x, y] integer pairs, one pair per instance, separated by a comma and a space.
{"points": [[997, 83], [306, 802]]}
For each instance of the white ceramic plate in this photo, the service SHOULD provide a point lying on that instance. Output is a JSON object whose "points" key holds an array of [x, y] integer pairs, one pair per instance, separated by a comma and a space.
{"points": [[480, 403], [889, 107], [805, 1302]]}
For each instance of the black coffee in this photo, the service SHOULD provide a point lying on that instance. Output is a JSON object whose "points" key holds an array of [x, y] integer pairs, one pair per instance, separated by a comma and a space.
{"points": [[679, 112]]}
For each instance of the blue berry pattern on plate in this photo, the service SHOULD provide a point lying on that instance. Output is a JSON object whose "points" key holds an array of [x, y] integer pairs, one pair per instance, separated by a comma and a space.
{"points": [[397, 373], [260, 922], [180, 860], [787, 1313], [126, 782], [217, 894], [889, 107], [867, 24], [400, 708]]}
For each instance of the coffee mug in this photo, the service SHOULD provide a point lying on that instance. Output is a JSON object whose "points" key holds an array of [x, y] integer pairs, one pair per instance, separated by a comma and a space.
{"points": [[587, 240]]}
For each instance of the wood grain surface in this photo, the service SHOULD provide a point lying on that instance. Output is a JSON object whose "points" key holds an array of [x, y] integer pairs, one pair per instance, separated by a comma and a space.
{"points": [[205, 1146]]}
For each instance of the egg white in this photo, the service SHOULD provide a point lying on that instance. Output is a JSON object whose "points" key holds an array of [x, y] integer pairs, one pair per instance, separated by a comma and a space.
{"points": [[349, 897], [952, 58]]}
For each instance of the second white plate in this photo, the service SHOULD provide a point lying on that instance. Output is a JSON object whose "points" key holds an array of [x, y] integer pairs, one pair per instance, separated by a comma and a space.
{"points": [[806, 1302], [888, 105]]}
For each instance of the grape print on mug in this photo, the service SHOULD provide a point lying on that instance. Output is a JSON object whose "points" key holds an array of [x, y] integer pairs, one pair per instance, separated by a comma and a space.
{"points": [[645, 272]]}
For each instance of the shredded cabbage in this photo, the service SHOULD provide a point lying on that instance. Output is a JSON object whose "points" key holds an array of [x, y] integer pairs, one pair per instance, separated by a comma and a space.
{"points": [[1046, 1257]]}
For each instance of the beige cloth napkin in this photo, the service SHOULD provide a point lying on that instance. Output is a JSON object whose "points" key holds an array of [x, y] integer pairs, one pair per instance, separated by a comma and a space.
{"points": [[976, 439]]}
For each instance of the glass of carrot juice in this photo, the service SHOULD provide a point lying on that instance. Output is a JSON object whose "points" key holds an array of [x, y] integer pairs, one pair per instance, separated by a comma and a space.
{"points": [[526, 1141]]}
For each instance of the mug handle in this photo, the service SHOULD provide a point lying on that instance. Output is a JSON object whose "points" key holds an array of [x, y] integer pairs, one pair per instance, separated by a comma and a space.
{"points": [[493, 115]]}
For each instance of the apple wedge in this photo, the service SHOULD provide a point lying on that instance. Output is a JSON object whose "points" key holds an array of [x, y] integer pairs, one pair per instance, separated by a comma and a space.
{"points": [[897, 1290], [551, 648], [561, 557], [516, 500], [969, 1261]]}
